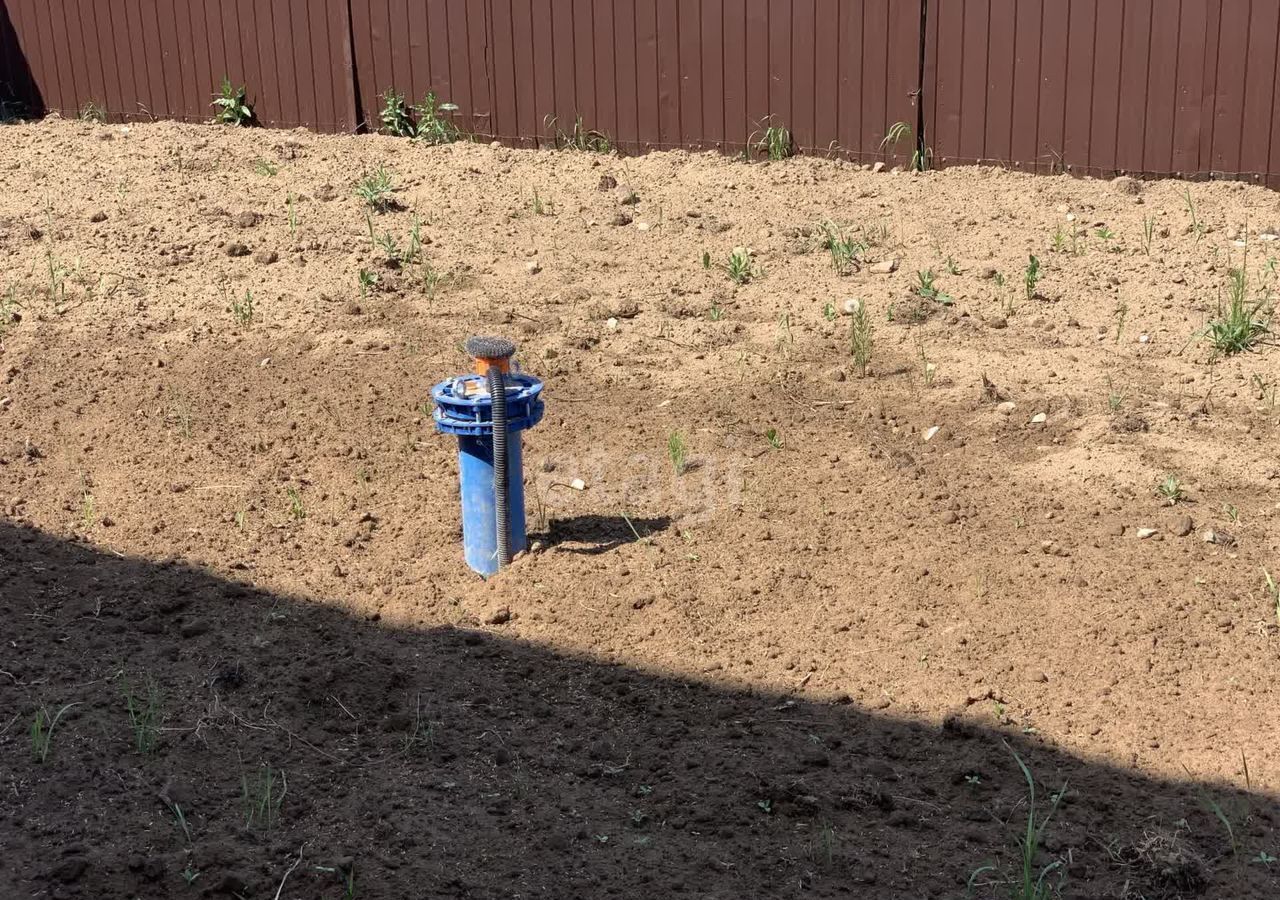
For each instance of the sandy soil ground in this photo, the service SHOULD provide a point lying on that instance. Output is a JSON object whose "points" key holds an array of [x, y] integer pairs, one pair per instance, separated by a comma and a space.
{"points": [[800, 668]]}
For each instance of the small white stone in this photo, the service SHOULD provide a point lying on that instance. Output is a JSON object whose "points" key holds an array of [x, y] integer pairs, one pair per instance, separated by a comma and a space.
{"points": [[533, 267], [578, 484], [1039, 418], [1071, 217], [266, 362], [1144, 533], [612, 324], [932, 433], [1006, 408], [877, 168], [1144, 339], [643, 226]]}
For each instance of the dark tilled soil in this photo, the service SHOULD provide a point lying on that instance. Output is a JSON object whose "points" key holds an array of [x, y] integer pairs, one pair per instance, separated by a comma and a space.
{"points": [[449, 762]]}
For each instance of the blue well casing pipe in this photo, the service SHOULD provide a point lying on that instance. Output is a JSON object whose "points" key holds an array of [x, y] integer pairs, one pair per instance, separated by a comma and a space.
{"points": [[464, 408]]}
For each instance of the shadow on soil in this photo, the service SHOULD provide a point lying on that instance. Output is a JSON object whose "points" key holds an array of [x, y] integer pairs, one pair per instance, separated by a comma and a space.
{"points": [[453, 763], [19, 95], [600, 534]]}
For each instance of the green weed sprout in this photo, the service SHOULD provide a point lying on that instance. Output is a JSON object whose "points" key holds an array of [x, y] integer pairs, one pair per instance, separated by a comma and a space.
{"points": [[230, 106]]}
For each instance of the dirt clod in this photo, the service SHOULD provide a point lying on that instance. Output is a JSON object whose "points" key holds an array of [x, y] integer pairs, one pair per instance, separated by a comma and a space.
{"points": [[1130, 424], [499, 616], [1127, 186]]}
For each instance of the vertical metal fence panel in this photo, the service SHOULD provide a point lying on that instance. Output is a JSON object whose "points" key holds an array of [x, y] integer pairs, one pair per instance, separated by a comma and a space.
{"points": [[690, 53], [944, 69], [625, 68], [1024, 141], [1260, 87], [1194, 85], [1104, 114], [778, 71], [648, 95], [754, 73], [584, 66], [605, 85], [975, 86], [735, 123], [540, 66], [473, 98], [1002, 47], [501, 39], [667, 45], [875, 54], [850, 75], [803, 86], [187, 52], [1160, 99], [439, 66], [40, 28], [1228, 128], [1135, 49], [171, 43], [826, 76], [901, 73], [1078, 88], [715, 87]]}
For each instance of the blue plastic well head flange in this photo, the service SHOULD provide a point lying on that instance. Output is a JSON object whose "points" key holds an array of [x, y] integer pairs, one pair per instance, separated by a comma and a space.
{"points": [[464, 407]]}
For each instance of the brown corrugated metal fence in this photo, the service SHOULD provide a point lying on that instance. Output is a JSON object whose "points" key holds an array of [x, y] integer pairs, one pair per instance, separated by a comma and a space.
{"points": [[144, 59], [1155, 87], [651, 73]]}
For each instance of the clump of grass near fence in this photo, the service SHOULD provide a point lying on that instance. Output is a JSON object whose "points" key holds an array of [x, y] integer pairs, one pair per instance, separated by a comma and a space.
{"points": [[428, 122], [921, 158], [581, 138], [231, 105], [772, 139], [395, 115], [93, 112]]}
